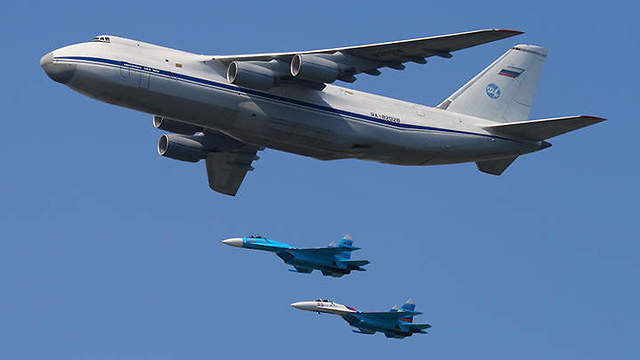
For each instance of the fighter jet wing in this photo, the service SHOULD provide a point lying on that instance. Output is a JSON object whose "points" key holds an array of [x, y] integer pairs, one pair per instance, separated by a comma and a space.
{"points": [[327, 251], [227, 169], [368, 58], [389, 315]]}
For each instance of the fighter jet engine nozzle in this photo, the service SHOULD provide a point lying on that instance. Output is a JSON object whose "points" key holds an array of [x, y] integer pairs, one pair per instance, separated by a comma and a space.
{"points": [[314, 68], [256, 74], [185, 148], [175, 126]]}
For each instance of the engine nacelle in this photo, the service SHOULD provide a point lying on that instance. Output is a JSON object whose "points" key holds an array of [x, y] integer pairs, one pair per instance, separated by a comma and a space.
{"points": [[175, 126], [315, 68], [256, 74], [183, 147]]}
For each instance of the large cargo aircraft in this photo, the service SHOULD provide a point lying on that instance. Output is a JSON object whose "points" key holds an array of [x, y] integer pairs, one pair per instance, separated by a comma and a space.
{"points": [[224, 109]]}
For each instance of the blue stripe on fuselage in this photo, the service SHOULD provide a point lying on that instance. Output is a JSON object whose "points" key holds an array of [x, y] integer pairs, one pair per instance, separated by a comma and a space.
{"points": [[273, 97]]}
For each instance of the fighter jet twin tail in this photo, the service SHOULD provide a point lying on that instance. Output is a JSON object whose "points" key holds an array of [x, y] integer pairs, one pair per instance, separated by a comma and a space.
{"points": [[335, 260]]}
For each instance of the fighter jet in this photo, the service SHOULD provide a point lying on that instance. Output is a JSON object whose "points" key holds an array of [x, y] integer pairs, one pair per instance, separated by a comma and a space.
{"points": [[334, 260], [225, 108], [395, 323]]}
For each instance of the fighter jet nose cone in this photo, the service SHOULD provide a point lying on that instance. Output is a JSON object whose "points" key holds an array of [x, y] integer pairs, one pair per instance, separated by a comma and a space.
{"points": [[304, 305], [298, 305], [62, 73], [237, 242]]}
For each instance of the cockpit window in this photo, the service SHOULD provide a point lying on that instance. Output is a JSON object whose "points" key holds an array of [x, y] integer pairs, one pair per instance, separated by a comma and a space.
{"points": [[101, 38]]}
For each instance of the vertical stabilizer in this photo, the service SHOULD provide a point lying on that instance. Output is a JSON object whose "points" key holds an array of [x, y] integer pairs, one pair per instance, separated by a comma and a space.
{"points": [[345, 242], [504, 91], [410, 305]]}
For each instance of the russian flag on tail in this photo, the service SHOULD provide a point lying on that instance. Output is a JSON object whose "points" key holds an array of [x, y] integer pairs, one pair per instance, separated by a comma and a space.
{"points": [[511, 71]]}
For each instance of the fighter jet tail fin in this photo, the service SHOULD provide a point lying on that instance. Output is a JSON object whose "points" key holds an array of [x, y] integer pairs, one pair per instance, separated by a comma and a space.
{"points": [[409, 306], [504, 91], [347, 244]]}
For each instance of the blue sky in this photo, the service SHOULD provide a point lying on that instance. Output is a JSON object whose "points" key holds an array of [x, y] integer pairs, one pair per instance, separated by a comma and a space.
{"points": [[108, 251]]}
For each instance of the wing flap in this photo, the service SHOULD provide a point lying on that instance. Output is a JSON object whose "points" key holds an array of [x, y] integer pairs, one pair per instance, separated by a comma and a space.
{"points": [[538, 130]]}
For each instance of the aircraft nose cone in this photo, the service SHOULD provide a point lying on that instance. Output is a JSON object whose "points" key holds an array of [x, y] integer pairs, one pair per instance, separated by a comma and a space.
{"points": [[299, 305], [62, 73], [237, 242], [304, 305]]}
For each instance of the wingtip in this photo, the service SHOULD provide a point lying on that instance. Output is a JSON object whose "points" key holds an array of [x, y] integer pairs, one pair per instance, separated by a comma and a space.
{"points": [[597, 118], [514, 32]]}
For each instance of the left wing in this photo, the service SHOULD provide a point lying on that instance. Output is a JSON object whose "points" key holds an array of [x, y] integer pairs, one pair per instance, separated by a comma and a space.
{"points": [[328, 65]]}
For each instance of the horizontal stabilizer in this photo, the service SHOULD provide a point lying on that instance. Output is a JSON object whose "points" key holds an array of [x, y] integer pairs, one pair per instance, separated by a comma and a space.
{"points": [[364, 331], [495, 166], [301, 270], [355, 262], [537, 130], [417, 326]]}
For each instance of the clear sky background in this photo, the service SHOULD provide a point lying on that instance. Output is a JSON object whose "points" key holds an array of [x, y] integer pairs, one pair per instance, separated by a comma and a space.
{"points": [[108, 251]]}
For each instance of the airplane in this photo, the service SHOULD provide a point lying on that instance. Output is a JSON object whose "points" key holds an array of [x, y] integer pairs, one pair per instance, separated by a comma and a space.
{"points": [[334, 260], [226, 108], [395, 323]]}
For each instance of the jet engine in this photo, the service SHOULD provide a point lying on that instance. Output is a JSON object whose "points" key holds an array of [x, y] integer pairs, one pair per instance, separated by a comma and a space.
{"points": [[184, 147], [175, 126], [256, 74], [315, 68]]}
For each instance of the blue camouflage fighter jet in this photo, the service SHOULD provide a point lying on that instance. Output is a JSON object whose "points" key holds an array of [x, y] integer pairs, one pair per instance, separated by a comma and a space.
{"points": [[334, 260], [395, 323]]}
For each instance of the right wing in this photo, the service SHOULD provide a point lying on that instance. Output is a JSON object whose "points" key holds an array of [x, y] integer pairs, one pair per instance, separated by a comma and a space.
{"points": [[389, 315], [369, 58], [327, 251]]}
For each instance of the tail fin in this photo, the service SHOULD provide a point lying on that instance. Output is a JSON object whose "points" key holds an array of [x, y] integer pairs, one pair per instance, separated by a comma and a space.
{"points": [[504, 91], [345, 242], [410, 305]]}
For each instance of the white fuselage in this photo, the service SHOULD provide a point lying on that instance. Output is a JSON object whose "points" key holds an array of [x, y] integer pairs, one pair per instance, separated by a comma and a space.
{"points": [[332, 123], [324, 306]]}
